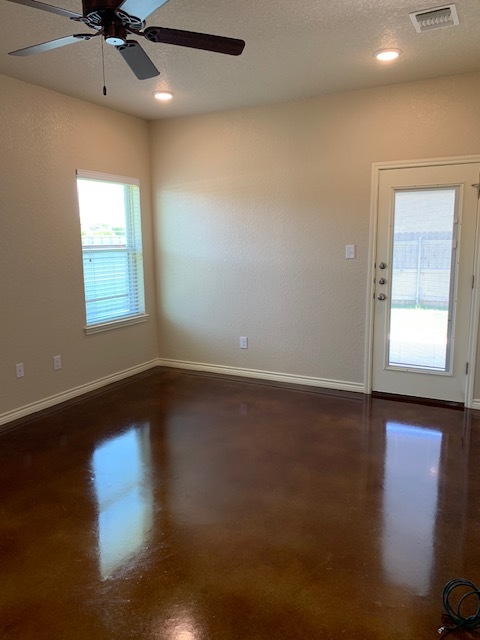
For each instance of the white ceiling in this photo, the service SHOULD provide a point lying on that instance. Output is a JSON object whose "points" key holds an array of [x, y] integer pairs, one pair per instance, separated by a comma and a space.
{"points": [[294, 49]]}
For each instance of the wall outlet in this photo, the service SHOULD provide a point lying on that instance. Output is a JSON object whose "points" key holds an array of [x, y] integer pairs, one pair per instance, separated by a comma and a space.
{"points": [[19, 370], [243, 342], [57, 362]]}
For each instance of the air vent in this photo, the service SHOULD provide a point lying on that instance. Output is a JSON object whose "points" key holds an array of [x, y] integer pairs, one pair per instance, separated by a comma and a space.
{"points": [[435, 18]]}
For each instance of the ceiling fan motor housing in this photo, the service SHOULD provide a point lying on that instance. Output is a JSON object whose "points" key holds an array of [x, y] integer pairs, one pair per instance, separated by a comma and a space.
{"points": [[100, 6], [107, 14]]}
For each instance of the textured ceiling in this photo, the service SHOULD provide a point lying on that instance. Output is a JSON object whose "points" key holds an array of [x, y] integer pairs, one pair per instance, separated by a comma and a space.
{"points": [[293, 50]]}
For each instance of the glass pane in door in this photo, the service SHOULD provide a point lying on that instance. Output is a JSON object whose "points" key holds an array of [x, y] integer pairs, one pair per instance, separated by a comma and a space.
{"points": [[423, 264]]}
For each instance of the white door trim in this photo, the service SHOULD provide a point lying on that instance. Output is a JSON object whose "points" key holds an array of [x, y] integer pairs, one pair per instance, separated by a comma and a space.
{"points": [[377, 167]]}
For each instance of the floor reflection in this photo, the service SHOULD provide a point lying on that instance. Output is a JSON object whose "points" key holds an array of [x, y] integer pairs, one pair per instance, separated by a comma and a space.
{"points": [[412, 462], [180, 626], [122, 476]]}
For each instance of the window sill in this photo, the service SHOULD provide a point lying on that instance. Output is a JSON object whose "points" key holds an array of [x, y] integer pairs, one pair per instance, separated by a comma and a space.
{"points": [[115, 324]]}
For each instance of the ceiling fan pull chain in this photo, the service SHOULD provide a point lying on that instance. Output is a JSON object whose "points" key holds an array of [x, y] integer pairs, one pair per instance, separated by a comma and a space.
{"points": [[103, 69]]}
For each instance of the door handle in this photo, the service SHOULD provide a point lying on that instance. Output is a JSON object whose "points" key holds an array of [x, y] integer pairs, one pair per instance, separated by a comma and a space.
{"points": [[381, 296]]}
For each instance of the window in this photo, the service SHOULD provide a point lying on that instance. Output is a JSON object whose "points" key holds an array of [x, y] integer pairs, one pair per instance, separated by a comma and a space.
{"points": [[112, 250]]}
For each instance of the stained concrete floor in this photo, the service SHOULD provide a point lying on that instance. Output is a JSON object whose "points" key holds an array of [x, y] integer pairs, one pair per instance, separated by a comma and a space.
{"points": [[188, 507]]}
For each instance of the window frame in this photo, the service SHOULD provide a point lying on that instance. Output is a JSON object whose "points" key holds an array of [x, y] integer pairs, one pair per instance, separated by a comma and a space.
{"points": [[134, 254]]}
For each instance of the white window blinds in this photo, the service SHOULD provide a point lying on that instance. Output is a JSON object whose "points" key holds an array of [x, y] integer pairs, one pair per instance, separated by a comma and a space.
{"points": [[112, 247]]}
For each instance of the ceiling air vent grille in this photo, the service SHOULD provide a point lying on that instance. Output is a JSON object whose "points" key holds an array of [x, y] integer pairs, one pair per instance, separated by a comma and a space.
{"points": [[435, 18]]}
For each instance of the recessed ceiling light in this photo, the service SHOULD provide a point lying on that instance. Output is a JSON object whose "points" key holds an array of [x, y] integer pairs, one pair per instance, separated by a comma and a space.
{"points": [[163, 96], [387, 55]]}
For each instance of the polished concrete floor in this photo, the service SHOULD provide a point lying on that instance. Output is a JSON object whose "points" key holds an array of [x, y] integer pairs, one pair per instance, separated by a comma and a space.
{"points": [[187, 507]]}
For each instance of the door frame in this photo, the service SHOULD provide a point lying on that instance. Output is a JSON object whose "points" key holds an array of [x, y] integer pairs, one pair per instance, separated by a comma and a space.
{"points": [[377, 167]]}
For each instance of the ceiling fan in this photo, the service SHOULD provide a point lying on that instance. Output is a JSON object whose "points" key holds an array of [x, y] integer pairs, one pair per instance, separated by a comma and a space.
{"points": [[115, 20]]}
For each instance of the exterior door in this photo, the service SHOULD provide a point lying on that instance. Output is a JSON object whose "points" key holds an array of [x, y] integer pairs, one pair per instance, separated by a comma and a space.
{"points": [[426, 230]]}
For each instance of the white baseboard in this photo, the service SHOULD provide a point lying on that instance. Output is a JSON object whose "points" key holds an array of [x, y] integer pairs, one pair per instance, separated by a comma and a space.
{"points": [[322, 383], [51, 401], [46, 403], [325, 383]]}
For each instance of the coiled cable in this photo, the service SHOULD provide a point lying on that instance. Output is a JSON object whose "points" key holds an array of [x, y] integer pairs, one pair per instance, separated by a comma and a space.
{"points": [[454, 612]]}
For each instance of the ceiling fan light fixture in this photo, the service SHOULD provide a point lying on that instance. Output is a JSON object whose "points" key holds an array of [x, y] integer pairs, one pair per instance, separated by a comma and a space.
{"points": [[163, 96], [115, 34], [115, 41], [387, 55]]}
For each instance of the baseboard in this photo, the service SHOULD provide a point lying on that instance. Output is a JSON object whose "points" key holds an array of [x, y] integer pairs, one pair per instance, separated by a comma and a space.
{"points": [[46, 403], [310, 381], [325, 383], [70, 394]]}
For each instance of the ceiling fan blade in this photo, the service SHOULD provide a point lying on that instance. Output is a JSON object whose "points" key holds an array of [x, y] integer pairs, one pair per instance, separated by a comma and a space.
{"points": [[137, 60], [52, 44], [48, 7], [140, 8], [219, 44]]}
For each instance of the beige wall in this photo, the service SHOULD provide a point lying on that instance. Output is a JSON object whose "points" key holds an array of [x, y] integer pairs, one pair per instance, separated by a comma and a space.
{"points": [[44, 138], [254, 209]]}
